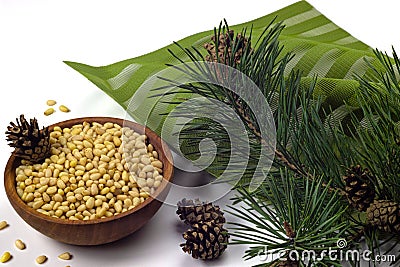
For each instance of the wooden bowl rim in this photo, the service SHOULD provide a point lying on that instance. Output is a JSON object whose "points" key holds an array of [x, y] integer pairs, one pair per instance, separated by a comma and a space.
{"points": [[168, 165]]}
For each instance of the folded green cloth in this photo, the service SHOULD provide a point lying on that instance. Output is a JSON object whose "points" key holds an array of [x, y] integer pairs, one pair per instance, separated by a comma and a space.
{"points": [[321, 48]]}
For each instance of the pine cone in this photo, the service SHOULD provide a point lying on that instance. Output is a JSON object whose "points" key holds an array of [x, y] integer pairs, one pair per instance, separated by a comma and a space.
{"points": [[196, 211], [384, 214], [205, 240], [225, 43], [30, 143], [359, 190]]}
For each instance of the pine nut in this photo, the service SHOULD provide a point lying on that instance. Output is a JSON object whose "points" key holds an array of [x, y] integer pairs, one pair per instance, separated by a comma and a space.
{"points": [[100, 212], [156, 184], [5, 257], [49, 111], [65, 256], [46, 197], [150, 148], [157, 164], [136, 201], [148, 168], [51, 102], [37, 204], [41, 259], [47, 207], [19, 244], [3, 224], [64, 108], [90, 203], [145, 160], [70, 213]]}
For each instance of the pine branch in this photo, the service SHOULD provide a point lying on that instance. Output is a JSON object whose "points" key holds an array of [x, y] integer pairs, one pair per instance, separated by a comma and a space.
{"points": [[379, 132], [289, 218], [301, 200], [263, 62], [254, 129]]}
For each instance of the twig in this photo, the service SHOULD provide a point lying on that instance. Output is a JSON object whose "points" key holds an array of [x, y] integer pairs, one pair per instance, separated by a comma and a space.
{"points": [[278, 154]]}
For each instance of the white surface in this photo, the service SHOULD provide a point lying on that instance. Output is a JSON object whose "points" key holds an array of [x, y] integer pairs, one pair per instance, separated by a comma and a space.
{"points": [[36, 36]]}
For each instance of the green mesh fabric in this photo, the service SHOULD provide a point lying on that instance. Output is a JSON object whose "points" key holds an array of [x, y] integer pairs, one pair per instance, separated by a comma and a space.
{"points": [[321, 48]]}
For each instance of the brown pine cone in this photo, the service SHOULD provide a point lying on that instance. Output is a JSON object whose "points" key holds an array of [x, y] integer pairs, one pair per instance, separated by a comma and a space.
{"points": [[30, 142], [205, 240], [359, 190], [226, 42], [196, 211], [384, 214]]}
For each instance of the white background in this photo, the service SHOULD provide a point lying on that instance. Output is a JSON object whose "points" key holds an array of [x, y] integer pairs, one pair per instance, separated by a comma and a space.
{"points": [[36, 36]]}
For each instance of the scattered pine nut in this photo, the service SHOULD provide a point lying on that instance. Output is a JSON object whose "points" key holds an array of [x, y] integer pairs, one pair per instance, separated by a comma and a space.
{"points": [[3, 224], [51, 102], [5, 257], [64, 109], [65, 256], [41, 259], [49, 111], [19, 244]]}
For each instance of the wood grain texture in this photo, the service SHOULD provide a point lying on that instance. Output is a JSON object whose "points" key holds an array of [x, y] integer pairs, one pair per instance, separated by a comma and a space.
{"points": [[98, 231]]}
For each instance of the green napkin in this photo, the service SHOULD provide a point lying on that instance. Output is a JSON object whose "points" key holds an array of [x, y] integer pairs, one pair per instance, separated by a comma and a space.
{"points": [[321, 48]]}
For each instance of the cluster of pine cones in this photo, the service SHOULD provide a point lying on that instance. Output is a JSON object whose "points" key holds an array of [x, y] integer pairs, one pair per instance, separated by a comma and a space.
{"points": [[360, 192], [207, 239]]}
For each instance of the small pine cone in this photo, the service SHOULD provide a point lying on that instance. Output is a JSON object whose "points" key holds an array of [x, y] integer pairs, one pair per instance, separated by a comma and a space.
{"points": [[196, 211], [205, 240], [359, 190], [226, 41], [31, 143], [384, 214]]}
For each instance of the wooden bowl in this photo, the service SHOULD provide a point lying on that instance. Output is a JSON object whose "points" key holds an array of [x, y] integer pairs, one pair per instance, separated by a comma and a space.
{"points": [[97, 231]]}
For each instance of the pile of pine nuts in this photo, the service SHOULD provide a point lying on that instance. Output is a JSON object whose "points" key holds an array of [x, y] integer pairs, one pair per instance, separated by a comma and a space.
{"points": [[94, 171]]}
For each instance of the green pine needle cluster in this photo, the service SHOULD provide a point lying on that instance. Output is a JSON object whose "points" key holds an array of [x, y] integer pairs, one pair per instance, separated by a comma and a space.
{"points": [[302, 204], [295, 224]]}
